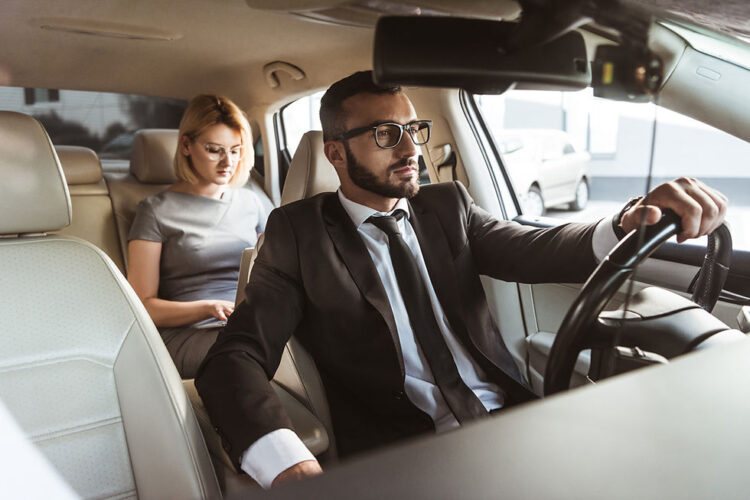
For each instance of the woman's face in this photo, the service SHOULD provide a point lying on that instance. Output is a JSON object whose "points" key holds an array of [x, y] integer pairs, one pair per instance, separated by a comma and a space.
{"points": [[215, 154]]}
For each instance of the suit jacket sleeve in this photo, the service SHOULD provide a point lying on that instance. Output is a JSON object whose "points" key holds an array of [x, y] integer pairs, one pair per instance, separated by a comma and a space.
{"points": [[233, 380], [510, 251]]}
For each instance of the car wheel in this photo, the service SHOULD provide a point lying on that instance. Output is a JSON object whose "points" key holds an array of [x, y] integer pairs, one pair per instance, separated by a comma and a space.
{"points": [[532, 202], [582, 195]]}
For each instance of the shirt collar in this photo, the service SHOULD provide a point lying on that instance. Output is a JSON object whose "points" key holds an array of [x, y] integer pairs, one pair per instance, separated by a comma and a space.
{"points": [[360, 213]]}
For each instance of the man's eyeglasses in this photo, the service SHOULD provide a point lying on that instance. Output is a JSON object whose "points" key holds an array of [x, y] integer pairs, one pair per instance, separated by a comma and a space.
{"points": [[388, 135], [216, 151]]}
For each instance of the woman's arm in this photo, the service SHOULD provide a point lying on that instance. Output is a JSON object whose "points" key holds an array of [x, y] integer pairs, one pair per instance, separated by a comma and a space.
{"points": [[143, 276]]}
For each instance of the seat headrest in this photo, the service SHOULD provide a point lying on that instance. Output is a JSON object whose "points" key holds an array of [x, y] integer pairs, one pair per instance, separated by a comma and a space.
{"points": [[80, 165], [33, 194], [152, 156], [310, 172]]}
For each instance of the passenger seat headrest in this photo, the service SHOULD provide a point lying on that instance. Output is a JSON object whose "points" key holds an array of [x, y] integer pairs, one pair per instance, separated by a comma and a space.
{"points": [[80, 165], [33, 194], [152, 156], [310, 172]]}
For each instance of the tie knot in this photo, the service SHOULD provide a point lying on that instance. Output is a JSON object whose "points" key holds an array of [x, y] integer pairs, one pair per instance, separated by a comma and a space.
{"points": [[387, 223]]}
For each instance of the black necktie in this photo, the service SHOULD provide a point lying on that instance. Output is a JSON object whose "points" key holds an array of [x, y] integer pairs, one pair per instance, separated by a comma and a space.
{"points": [[462, 401]]}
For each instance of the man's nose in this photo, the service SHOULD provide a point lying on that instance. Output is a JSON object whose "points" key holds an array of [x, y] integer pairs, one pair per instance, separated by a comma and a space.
{"points": [[407, 148]]}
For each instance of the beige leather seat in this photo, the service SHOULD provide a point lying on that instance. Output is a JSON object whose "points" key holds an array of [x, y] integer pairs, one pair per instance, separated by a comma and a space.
{"points": [[296, 382], [82, 368], [150, 172], [310, 173], [93, 218]]}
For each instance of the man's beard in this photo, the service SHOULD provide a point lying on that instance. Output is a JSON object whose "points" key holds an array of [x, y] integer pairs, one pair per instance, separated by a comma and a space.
{"points": [[364, 178]]}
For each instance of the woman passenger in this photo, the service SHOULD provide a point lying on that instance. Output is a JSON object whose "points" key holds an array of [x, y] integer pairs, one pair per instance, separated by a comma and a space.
{"points": [[186, 242]]}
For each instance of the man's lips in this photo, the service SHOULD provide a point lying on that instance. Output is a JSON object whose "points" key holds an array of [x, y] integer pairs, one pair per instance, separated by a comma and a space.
{"points": [[408, 169]]}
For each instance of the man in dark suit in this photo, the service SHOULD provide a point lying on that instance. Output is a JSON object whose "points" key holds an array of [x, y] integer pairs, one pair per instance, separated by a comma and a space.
{"points": [[328, 275]]}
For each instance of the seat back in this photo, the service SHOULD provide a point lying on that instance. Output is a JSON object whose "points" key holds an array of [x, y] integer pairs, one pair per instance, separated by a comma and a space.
{"points": [[309, 173], [151, 171], [93, 218], [82, 368]]}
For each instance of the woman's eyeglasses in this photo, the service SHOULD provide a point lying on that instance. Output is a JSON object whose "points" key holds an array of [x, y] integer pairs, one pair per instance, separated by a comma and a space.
{"points": [[216, 151]]}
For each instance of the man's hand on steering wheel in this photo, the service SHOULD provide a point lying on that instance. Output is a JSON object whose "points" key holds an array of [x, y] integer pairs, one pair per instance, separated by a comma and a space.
{"points": [[701, 208]]}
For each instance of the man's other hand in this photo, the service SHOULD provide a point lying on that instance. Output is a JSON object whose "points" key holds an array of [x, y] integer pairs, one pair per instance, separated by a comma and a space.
{"points": [[302, 470], [701, 208]]}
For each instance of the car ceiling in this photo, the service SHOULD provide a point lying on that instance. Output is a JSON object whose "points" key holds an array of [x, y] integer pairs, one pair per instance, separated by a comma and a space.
{"points": [[193, 46], [200, 46]]}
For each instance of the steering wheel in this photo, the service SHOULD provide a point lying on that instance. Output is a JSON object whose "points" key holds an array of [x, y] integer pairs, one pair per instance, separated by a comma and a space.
{"points": [[577, 331]]}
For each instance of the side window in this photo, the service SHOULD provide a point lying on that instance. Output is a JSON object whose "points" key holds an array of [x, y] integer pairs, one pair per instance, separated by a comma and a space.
{"points": [[574, 156], [101, 121], [300, 117], [294, 120]]}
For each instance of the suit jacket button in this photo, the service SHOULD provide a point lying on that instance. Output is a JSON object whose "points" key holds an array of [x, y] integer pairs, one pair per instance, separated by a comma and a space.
{"points": [[398, 395]]}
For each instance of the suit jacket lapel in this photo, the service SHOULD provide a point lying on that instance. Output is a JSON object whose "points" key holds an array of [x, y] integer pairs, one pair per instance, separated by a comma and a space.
{"points": [[439, 261], [357, 259], [442, 269]]}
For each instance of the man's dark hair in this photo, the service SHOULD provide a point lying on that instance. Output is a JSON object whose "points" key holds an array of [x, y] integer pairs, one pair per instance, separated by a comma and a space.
{"points": [[331, 113]]}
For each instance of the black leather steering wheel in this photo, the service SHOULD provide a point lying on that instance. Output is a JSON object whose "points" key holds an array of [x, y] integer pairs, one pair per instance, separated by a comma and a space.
{"points": [[575, 331]]}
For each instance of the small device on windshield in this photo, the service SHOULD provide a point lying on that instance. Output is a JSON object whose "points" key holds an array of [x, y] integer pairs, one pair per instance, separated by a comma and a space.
{"points": [[622, 74]]}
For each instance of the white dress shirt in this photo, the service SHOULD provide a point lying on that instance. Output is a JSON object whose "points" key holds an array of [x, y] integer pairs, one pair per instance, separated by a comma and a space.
{"points": [[281, 449]]}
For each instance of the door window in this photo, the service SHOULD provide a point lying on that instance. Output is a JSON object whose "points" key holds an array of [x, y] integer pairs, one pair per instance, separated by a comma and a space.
{"points": [[574, 156]]}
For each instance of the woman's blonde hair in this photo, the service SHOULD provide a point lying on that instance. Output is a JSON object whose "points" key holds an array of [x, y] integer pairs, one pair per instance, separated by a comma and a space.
{"points": [[202, 112]]}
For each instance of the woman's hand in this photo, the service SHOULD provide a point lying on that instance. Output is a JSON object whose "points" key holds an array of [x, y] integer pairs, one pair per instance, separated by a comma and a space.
{"points": [[143, 275], [219, 309]]}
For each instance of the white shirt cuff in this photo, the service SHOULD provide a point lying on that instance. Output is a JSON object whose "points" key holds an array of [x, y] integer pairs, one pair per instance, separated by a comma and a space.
{"points": [[604, 238], [272, 454]]}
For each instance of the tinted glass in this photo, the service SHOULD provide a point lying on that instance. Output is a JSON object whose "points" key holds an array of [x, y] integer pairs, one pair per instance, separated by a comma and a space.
{"points": [[104, 122]]}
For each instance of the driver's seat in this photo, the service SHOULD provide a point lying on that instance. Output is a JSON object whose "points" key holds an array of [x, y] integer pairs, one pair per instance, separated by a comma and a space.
{"points": [[82, 368]]}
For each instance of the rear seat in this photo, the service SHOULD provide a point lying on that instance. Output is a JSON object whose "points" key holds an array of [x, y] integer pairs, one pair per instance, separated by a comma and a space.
{"points": [[151, 171], [107, 223], [93, 218]]}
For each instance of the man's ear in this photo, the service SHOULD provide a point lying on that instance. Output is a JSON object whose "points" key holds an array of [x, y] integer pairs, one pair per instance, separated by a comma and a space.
{"points": [[334, 151]]}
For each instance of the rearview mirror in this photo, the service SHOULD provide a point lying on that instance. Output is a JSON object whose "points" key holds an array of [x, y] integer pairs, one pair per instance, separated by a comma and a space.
{"points": [[471, 54]]}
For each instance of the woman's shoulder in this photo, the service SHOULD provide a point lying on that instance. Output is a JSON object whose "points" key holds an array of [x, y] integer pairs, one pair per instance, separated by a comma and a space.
{"points": [[162, 200]]}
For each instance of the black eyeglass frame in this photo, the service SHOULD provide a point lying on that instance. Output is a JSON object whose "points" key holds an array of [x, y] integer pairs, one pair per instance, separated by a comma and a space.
{"points": [[361, 130]]}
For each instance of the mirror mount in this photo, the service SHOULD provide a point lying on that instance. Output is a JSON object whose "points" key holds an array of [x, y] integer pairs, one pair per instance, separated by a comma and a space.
{"points": [[542, 51], [629, 71]]}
